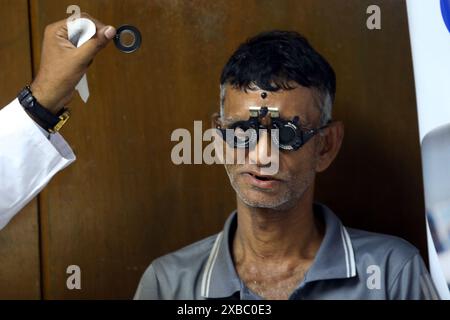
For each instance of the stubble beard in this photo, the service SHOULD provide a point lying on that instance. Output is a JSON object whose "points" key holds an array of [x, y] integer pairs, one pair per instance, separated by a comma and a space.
{"points": [[296, 188]]}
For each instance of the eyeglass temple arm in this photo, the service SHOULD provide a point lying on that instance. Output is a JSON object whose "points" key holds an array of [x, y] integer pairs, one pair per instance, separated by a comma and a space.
{"points": [[306, 135]]}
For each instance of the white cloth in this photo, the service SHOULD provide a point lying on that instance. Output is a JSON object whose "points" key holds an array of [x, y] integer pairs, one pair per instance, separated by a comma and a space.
{"points": [[28, 159], [79, 31]]}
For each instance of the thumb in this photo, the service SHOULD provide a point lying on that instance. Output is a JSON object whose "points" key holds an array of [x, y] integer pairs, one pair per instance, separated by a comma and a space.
{"points": [[97, 42]]}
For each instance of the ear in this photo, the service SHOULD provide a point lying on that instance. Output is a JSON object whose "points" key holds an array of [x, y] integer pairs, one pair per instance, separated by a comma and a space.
{"points": [[330, 145], [215, 123], [218, 142]]}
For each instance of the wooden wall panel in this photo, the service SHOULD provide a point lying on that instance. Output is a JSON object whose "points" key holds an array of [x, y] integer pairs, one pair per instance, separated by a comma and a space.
{"points": [[376, 182], [123, 203], [19, 241]]}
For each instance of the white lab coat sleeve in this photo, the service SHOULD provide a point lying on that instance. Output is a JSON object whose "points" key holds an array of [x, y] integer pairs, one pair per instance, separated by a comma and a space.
{"points": [[28, 159]]}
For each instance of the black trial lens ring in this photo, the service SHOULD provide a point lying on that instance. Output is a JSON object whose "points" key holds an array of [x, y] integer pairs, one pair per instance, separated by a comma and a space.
{"points": [[134, 32]]}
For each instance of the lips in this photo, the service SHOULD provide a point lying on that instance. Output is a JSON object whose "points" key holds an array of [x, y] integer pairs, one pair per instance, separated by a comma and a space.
{"points": [[261, 181]]}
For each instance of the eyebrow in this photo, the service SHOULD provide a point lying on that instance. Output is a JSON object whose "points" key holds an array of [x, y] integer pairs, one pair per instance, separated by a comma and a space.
{"points": [[231, 120]]}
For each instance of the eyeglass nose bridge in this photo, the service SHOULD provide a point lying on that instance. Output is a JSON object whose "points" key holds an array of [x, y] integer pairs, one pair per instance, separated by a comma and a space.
{"points": [[264, 114]]}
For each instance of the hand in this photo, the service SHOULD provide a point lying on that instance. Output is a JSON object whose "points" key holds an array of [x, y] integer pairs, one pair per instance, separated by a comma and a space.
{"points": [[63, 64]]}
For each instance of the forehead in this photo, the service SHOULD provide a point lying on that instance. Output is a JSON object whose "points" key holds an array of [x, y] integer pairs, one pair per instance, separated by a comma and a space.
{"points": [[300, 101]]}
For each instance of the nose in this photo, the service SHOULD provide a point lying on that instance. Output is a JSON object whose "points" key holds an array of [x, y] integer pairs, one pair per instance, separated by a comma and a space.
{"points": [[261, 153]]}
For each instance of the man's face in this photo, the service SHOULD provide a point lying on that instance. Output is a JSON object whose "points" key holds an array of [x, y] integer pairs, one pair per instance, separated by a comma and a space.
{"points": [[296, 170]]}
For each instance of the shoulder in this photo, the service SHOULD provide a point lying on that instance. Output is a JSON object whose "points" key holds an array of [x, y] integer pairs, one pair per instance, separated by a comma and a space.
{"points": [[381, 244], [176, 275], [388, 252], [190, 257]]}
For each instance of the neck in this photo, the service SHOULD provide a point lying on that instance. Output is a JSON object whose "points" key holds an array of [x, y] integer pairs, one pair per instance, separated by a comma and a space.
{"points": [[272, 235]]}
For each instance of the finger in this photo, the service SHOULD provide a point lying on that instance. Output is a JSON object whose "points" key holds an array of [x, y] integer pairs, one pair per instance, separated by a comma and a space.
{"points": [[98, 42], [98, 24], [62, 33], [102, 37], [57, 24], [100, 28]]}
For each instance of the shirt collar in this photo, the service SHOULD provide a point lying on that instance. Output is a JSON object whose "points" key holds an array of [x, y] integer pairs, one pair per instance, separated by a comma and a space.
{"points": [[335, 258], [220, 278]]}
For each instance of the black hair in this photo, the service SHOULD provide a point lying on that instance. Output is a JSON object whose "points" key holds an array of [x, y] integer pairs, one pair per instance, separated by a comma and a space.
{"points": [[270, 60]]}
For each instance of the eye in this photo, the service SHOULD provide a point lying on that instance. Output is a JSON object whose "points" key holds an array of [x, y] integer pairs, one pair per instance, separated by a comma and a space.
{"points": [[287, 134]]}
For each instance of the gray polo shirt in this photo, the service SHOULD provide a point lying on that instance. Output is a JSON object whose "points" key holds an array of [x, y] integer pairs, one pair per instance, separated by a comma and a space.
{"points": [[350, 264]]}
